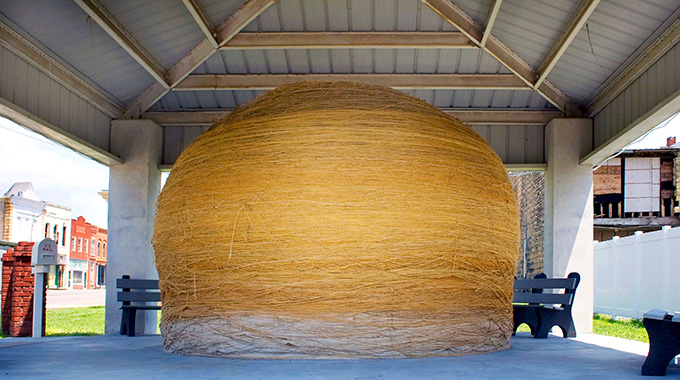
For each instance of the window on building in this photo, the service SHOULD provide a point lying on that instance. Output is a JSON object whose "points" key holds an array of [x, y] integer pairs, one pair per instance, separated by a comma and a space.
{"points": [[92, 247], [55, 234], [47, 230], [104, 250], [86, 244], [80, 244], [63, 236], [99, 248], [73, 244]]}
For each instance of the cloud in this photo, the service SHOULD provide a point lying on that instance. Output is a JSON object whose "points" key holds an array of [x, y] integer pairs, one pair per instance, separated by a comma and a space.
{"points": [[59, 175]]}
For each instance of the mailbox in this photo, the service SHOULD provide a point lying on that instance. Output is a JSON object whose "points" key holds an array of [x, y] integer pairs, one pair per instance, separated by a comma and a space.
{"points": [[44, 253]]}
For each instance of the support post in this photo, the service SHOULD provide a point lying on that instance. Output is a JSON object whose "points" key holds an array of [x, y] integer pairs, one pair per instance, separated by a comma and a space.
{"points": [[133, 189], [568, 240]]}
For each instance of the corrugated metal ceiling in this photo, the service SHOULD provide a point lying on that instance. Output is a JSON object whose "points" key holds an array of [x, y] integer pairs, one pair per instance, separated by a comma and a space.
{"points": [[168, 32], [211, 100]]}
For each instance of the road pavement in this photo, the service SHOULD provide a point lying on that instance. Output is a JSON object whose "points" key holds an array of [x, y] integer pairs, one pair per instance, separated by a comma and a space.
{"points": [[59, 299]]}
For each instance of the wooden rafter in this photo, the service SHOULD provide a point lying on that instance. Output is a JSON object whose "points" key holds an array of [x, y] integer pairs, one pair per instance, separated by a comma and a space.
{"points": [[353, 40], [573, 27], [202, 20], [490, 20], [466, 115], [466, 25], [114, 29], [397, 81], [36, 57], [225, 32]]}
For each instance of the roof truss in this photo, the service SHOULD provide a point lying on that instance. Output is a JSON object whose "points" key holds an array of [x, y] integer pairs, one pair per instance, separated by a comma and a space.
{"points": [[464, 23], [114, 29], [353, 40], [397, 81], [466, 115], [25, 49]]}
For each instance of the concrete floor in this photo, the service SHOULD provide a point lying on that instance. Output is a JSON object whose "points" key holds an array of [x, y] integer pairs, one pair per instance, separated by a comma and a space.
{"points": [[120, 357]]}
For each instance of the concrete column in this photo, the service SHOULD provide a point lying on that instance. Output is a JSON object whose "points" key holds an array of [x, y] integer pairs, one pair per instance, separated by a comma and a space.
{"points": [[568, 240], [133, 189]]}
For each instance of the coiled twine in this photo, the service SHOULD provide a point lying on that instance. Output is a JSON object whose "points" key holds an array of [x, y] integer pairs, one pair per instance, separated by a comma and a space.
{"points": [[336, 219]]}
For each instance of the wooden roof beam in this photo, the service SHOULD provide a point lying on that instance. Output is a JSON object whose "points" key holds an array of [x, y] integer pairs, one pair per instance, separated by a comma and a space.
{"points": [[466, 25], [225, 32], [350, 40], [397, 81], [568, 34], [114, 29], [202, 20], [466, 115], [490, 20]]}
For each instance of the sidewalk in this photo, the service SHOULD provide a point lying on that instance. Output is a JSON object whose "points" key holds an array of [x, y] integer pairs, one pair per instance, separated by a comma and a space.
{"points": [[59, 299], [121, 357]]}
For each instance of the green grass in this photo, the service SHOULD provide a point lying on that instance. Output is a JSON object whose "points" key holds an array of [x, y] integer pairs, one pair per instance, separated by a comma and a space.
{"points": [[85, 321], [79, 321], [632, 329]]}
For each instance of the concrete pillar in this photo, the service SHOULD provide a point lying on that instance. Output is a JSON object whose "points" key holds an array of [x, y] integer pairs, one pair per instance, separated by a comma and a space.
{"points": [[133, 189], [568, 239]]}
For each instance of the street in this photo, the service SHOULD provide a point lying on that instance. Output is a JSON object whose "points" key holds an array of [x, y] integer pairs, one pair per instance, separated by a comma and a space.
{"points": [[57, 299]]}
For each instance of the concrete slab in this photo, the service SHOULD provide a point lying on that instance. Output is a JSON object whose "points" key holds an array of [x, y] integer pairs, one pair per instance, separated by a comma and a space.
{"points": [[120, 357]]}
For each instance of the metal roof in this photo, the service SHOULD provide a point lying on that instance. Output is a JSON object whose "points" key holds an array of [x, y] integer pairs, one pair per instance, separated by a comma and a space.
{"points": [[545, 54]]}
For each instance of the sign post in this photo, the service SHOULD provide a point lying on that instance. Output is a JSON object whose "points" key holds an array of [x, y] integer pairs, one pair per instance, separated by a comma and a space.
{"points": [[43, 255]]}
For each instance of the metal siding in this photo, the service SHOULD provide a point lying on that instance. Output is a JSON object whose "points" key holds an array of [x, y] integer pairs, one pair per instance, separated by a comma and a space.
{"points": [[477, 9], [515, 144], [29, 88], [165, 29], [62, 27], [530, 27], [220, 10], [346, 61], [617, 29], [651, 88]]}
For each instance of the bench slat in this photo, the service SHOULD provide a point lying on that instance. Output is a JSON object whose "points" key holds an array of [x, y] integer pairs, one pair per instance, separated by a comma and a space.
{"points": [[543, 298], [139, 296], [546, 283], [154, 307], [136, 284]]}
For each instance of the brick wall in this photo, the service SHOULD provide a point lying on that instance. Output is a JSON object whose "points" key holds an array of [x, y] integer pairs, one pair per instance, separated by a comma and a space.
{"points": [[17, 292], [530, 192]]}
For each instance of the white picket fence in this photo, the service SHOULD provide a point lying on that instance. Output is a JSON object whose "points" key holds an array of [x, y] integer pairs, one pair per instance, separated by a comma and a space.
{"points": [[638, 273]]}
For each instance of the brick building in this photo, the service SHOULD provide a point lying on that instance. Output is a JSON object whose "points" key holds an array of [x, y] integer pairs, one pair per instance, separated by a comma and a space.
{"points": [[87, 260]]}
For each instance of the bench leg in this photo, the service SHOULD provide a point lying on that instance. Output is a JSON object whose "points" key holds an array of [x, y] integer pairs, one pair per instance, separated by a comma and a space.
{"points": [[132, 316], [124, 322], [524, 315], [547, 318], [663, 346]]}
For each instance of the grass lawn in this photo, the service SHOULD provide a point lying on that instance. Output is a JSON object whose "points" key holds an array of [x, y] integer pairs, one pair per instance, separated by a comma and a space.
{"points": [[628, 329], [75, 321], [90, 321]]}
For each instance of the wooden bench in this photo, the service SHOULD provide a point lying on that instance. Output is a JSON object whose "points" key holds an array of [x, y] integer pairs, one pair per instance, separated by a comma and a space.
{"points": [[136, 294], [664, 341], [541, 311]]}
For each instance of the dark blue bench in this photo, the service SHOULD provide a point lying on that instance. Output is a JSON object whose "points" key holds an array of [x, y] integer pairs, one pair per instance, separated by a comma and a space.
{"points": [[136, 294], [541, 311]]}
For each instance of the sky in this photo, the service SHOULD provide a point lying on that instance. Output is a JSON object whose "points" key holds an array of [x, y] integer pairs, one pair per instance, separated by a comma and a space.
{"points": [[59, 175]]}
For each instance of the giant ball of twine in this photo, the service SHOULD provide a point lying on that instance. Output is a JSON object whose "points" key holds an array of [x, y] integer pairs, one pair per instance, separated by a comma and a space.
{"points": [[336, 219]]}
